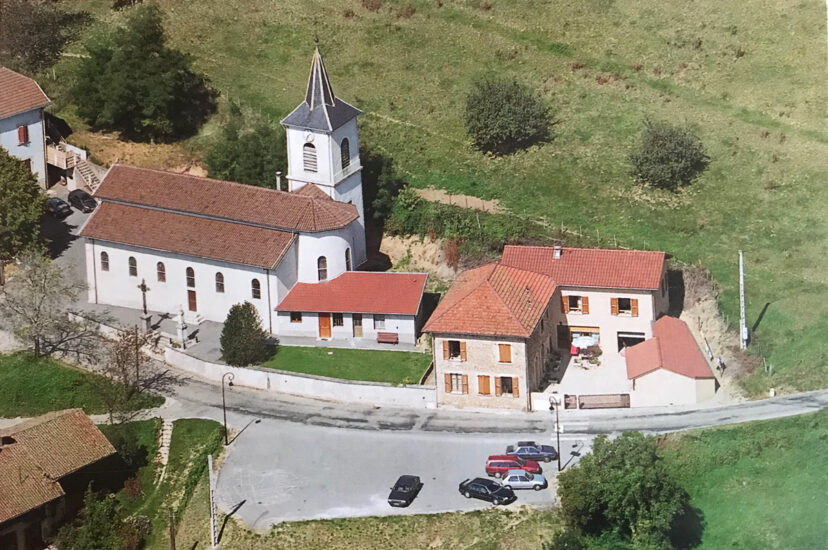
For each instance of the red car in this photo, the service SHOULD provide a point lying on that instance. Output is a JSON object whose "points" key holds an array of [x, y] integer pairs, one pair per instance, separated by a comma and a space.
{"points": [[499, 465]]}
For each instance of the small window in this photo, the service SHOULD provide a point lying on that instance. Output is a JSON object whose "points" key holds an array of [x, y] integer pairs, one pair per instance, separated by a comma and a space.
{"points": [[133, 267], [347, 259], [22, 135], [309, 157], [624, 306], [456, 383], [190, 277], [161, 272], [256, 289], [295, 316], [504, 353], [574, 303], [453, 349], [379, 322], [345, 150], [506, 385], [104, 261], [338, 321], [220, 283], [322, 268]]}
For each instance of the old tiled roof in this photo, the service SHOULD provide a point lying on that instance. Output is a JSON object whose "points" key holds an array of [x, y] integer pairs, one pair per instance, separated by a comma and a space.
{"points": [[191, 235], [36, 453], [672, 347], [19, 93], [312, 190], [321, 110], [587, 267], [359, 292], [494, 300], [224, 200]]}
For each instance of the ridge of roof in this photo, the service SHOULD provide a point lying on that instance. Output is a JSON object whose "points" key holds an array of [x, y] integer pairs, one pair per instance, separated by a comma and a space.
{"points": [[19, 93], [672, 348]]}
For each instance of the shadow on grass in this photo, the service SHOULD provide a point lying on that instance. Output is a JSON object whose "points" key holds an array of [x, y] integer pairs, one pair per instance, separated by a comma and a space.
{"points": [[227, 518], [687, 528], [675, 285]]}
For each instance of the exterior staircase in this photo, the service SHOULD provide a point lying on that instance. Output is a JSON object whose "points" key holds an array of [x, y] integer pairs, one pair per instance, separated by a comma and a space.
{"points": [[193, 318], [164, 447], [88, 174]]}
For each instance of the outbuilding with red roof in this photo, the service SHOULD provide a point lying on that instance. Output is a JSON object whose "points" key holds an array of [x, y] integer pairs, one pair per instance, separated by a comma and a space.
{"points": [[22, 125]]}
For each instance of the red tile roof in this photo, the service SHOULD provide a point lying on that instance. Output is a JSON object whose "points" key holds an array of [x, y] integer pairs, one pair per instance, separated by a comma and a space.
{"points": [[587, 267], [495, 300], [312, 190], [672, 347], [359, 292], [224, 199], [38, 452], [19, 93], [191, 235]]}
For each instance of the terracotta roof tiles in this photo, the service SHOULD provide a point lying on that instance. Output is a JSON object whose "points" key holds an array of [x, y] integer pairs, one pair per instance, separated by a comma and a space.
{"points": [[672, 347], [19, 93]]}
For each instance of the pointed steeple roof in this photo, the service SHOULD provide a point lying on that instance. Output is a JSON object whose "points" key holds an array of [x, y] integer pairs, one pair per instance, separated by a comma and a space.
{"points": [[321, 110]]}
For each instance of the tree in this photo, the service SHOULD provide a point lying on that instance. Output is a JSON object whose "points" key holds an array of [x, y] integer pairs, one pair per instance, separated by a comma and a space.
{"points": [[36, 308], [250, 155], [380, 184], [101, 526], [668, 156], [133, 83], [503, 116], [20, 210], [243, 340], [622, 487]]}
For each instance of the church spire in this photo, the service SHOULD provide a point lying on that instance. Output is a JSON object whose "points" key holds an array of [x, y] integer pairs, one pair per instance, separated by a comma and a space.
{"points": [[319, 90]]}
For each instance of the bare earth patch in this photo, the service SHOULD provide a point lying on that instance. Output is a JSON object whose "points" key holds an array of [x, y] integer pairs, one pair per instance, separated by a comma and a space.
{"points": [[441, 195], [416, 254], [106, 148]]}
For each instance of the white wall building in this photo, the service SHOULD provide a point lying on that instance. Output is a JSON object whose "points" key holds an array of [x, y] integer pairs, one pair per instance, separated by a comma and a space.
{"points": [[22, 126]]}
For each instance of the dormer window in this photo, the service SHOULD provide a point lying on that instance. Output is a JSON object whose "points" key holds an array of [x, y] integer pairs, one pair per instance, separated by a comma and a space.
{"points": [[309, 157]]}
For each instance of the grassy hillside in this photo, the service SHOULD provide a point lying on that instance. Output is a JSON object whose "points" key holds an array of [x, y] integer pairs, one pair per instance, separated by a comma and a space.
{"points": [[748, 75]]}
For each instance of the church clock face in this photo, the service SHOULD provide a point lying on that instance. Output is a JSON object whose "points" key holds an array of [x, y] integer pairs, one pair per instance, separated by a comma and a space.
{"points": [[308, 137]]}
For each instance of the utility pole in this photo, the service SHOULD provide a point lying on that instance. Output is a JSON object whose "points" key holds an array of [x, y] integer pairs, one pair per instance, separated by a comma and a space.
{"points": [[553, 401], [743, 331], [212, 483]]}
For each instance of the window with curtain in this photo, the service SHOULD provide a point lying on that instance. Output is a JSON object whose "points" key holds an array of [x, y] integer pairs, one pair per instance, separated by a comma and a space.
{"points": [[256, 288], [220, 283], [133, 267], [190, 277], [322, 268], [161, 272], [104, 261]]}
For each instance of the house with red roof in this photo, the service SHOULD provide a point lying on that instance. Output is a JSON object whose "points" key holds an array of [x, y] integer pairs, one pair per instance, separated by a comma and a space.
{"points": [[22, 124]]}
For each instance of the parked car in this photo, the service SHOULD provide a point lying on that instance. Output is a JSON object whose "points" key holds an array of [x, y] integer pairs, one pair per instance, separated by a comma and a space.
{"points": [[520, 479], [529, 450], [404, 491], [57, 208], [486, 489], [499, 465], [82, 200]]}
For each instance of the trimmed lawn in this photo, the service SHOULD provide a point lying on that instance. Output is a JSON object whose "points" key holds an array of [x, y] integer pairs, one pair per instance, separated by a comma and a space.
{"points": [[29, 387], [395, 367], [757, 485]]}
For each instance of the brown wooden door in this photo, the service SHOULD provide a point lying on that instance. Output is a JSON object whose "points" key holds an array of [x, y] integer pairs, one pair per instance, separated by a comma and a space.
{"points": [[357, 317], [191, 300], [324, 325]]}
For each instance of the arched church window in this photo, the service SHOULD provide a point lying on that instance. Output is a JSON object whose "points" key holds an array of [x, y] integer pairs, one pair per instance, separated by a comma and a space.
{"points": [[309, 157], [104, 261], [220, 283], [322, 268], [347, 259], [161, 272], [345, 150], [256, 288], [190, 277], [133, 267]]}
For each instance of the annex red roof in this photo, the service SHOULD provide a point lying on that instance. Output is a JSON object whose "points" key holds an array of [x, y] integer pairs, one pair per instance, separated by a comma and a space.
{"points": [[359, 292], [224, 200], [672, 347], [588, 267], [19, 93], [494, 300]]}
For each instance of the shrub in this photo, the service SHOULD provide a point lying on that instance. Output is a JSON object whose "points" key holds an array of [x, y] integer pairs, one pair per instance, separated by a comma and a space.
{"points": [[668, 157], [243, 340], [372, 5], [503, 116], [380, 184], [406, 12]]}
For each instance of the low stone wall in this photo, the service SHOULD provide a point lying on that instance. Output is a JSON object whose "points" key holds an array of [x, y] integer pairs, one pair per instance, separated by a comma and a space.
{"points": [[306, 385]]}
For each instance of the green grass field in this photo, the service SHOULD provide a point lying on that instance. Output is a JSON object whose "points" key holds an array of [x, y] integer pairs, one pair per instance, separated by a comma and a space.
{"points": [[30, 387], [395, 367], [749, 76]]}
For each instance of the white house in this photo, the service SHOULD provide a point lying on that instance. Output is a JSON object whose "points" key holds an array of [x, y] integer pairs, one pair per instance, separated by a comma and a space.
{"points": [[22, 126]]}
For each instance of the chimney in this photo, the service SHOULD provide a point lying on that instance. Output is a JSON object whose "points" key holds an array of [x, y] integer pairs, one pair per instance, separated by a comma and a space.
{"points": [[279, 180], [557, 252]]}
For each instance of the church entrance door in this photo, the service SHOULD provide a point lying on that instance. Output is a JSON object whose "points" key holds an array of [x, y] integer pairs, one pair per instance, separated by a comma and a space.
{"points": [[191, 300], [324, 325]]}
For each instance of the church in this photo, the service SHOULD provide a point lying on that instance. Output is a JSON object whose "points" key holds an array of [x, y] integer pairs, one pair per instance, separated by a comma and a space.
{"points": [[202, 245]]}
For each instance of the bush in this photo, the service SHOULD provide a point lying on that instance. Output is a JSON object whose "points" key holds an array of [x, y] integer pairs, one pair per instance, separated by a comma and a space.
{"points": [[380, 184], [133, 83], [243, 340], [372, 5], [503, 116], [101, 526], [668, 157]]}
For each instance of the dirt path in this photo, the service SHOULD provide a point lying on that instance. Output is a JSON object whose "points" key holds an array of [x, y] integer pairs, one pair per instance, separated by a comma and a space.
{"points": [[466, 201]]}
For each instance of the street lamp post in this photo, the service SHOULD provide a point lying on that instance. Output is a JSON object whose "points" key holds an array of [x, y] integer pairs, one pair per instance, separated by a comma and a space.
{"points": [[554, 403], [229, 376]]}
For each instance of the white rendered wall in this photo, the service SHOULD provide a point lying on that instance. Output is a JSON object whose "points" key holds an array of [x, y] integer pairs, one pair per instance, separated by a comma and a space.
{"points": [[332, 245], [663, 387], [403, 325], [35, 150]]}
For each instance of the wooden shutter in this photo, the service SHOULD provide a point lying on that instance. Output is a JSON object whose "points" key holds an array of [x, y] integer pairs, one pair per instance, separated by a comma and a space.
{"points": [[445, 349], [462, 350], [634, 307], [498, 386], [584, 305], [465, 383], [22, 134], [515, 387], [614, 305], [564, 304], [483, 384], [505, 353], [447, 377]]}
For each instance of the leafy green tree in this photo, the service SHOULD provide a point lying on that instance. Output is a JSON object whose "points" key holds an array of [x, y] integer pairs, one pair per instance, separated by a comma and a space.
{"points": [[503, 116], [248, 155], [668, 156], [243, 340], [95, 528], [133, 83], [622, 487], [21, 208], [380, 184]]}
